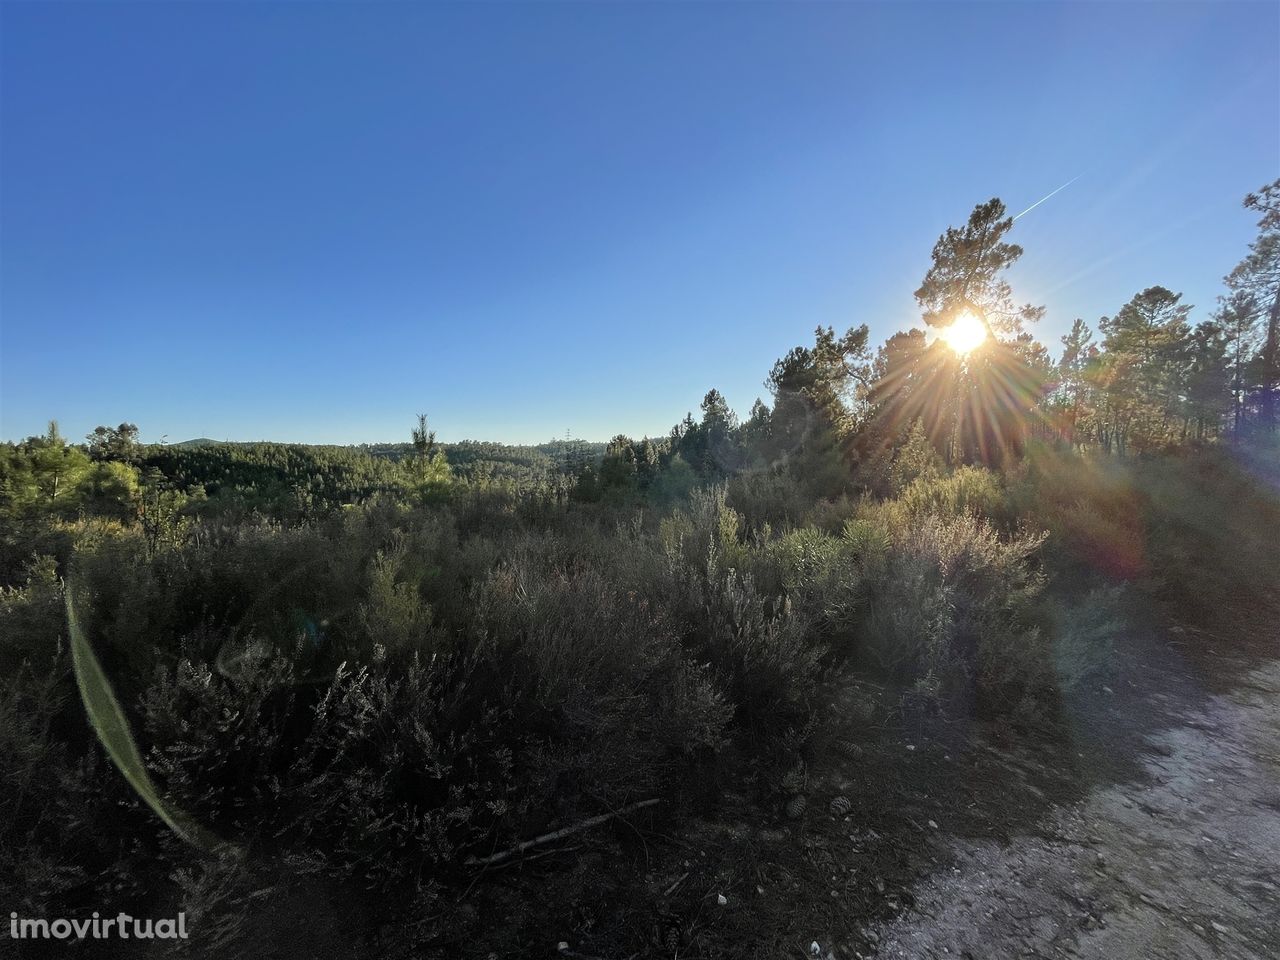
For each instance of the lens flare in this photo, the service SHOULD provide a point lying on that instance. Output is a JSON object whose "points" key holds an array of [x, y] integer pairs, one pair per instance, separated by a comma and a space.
{"points": [[965, 334]]}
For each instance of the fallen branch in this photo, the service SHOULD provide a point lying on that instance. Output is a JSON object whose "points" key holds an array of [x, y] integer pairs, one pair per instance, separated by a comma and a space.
{"points": [[672, 889], [520, 848], [551, 852]]}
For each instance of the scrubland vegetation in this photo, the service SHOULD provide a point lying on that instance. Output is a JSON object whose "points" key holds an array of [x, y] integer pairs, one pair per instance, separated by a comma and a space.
{"points": [[366, 669]]}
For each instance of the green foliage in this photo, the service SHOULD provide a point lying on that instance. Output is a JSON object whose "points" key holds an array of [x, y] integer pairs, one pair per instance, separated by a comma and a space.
{"points": [[601, 665], [378, 758], [114, 444], [762, 652], [967, 490], [1090, 507], [916, 459], [32, 617], [1086, 635], [277, 480], [703, 533], [809, 428], [394, 615], [1210, 531], [1257, 277], [950, 599], [112, 489], [967, 273], [42, 472], [375, 694], [676, 482], [768, 498]]}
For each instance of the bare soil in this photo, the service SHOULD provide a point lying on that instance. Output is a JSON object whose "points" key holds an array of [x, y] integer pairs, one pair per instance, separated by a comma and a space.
{"points": [[1182, 859]]}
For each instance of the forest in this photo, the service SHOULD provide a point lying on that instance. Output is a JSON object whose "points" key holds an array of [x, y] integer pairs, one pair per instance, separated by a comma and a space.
{"points": [[624, 699]]}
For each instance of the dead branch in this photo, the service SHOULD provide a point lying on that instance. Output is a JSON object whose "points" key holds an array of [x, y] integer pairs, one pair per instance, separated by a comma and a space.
{"points": [[520, 848]]}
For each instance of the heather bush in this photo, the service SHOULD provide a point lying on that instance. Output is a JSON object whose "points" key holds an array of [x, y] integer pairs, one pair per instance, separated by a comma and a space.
{"points": [[767, 658], [769, 661], [33, 763], [1084, 634], [1090, 507], [1211, 524], [260, 580], [1195, 530], [965, 490], [558, 693], [947, 600], [596, 664], [375, 758], [69, 826], [31, 616], [768, 497]]}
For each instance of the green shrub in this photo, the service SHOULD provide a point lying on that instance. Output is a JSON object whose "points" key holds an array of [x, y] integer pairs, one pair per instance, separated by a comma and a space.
{"points": [[794, 562], [378, 758], [561, 693], [948, 600], [965, 490], [704, 532], [32, 626], [914, 460], [1084, 635], [394, 614], [1212, 537], [768, 497], [595, 664], [1091, 508], [765, 656], [68, 826]]}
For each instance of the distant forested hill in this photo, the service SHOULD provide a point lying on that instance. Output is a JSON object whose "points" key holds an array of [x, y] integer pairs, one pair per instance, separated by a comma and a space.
{"points": [[470, 458], [285, 478]]}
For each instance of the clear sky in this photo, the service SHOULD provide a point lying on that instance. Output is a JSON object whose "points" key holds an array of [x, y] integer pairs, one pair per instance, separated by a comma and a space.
{"points": [[310, 222]]}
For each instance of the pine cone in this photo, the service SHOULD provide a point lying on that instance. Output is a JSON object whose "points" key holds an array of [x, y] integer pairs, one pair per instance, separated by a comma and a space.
{"points": [[796, 806]]}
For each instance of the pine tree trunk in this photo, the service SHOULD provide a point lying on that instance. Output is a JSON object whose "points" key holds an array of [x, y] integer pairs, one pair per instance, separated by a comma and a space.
{"points": [[1270, 365]]}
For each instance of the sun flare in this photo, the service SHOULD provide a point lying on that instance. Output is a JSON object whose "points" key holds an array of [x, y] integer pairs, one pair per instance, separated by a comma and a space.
{"points": [[965, 334]]}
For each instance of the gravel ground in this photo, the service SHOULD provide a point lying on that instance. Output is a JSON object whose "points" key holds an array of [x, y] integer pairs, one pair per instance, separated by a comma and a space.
{"points": [[1182, 861]]}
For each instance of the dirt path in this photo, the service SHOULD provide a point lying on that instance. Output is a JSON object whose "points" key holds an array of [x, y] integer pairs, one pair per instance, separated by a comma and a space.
{"points": [[1181, 862]]}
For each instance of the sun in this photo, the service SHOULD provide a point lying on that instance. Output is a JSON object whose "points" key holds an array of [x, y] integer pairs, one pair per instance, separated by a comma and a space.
{"points": [[965, 334]]}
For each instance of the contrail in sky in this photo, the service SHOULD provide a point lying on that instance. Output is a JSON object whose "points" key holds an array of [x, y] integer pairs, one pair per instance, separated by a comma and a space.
{"points": [[1047, 196]]}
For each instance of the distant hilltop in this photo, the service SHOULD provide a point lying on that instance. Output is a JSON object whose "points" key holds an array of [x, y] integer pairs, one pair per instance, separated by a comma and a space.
{"points": [[199, 442], [392, 448]]}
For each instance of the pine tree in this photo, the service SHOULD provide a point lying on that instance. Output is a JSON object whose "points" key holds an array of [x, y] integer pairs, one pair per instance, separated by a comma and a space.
{"points": [[1258, 274]]}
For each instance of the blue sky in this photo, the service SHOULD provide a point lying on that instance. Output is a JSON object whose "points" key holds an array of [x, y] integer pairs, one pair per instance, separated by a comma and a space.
{"points": [[310, 222]]}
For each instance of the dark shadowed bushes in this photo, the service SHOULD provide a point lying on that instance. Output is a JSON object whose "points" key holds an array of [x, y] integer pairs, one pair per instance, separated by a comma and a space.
{"points": [[466, 712], [1089, 506], [381, 771], [603, 678], [69, 825], [1197, 529], [32, 617], [1212, 524]]}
